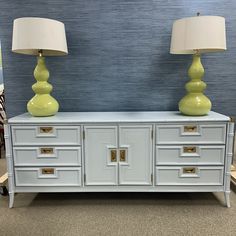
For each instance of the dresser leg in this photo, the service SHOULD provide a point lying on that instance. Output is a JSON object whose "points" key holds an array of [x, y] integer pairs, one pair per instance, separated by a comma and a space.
{"points": [[227, 198], [11, 202]]}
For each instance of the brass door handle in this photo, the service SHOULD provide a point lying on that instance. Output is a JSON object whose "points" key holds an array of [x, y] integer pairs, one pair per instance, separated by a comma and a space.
{"points": [[46, 130], [113, 155], [122, 155], [190, 128], [190, 149], [46, 150], [48, 171], [191, 170]]}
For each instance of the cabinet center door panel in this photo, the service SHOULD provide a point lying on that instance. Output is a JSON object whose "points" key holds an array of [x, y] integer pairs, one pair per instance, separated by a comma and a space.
{"points": [[100, 164], [135, 163]]}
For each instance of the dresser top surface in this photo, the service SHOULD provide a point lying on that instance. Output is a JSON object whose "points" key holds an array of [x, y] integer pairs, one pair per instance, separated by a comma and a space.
{"points": [[103, 117]]}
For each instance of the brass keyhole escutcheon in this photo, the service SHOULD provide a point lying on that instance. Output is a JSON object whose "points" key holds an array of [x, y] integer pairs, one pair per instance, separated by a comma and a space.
{"points": [[113, 155], [190, 129], [46, 150], [191, 170], [190, 149], [122, 155], [46, 130], [47, 171]]}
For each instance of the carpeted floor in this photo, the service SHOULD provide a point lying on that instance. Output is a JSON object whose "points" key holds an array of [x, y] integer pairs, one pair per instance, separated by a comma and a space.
{"points": [[122, 214], [118, 214]]}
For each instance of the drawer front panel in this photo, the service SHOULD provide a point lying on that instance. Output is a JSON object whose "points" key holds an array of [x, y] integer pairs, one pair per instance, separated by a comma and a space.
{"points": [[46, 135], [190, 155], [191, 133], [189, 175], [47, 156], [48, 176]]}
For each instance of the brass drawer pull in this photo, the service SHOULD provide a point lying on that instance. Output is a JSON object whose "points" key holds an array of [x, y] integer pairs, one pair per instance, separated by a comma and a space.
{"points": [[190, 128], [190, 149], [191, 170], [122, 155], [113, 155], [46, 150], [48, 171], [46, 130]]}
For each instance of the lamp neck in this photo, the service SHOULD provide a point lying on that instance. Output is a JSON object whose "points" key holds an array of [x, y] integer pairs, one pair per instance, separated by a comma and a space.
{"points": [[196, 57], [196, 70]]}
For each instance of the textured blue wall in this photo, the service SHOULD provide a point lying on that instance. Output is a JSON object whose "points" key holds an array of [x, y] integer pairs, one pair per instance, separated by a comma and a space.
{"points": [[118, 55]]}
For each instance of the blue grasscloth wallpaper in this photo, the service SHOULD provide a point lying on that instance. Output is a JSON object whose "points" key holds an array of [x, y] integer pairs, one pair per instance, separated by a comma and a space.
{"points": [[118, 55]]}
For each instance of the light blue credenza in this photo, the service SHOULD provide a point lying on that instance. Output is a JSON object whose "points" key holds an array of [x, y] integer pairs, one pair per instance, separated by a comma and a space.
{"points": [[119, 152]]}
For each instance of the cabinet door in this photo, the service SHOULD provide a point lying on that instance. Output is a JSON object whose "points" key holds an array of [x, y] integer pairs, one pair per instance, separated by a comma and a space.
{"points": [[100, 169], [135, 157]]}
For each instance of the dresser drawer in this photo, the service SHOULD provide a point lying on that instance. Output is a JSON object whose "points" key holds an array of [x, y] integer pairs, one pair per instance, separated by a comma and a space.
{"points": [[48, 176], [191, 133], [189, 175], [190, 155], [47, 156], [46, 135]]}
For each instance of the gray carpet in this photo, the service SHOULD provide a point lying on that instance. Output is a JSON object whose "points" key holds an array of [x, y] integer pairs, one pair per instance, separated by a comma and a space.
{"points": [[117, 214]]}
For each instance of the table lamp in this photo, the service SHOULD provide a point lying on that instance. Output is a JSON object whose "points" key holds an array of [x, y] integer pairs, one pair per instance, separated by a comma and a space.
{"points": [[197, 35], [40, 37]]}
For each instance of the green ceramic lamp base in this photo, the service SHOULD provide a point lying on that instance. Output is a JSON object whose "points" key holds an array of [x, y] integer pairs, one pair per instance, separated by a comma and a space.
{"points": [[195, 103], [42, 104]]}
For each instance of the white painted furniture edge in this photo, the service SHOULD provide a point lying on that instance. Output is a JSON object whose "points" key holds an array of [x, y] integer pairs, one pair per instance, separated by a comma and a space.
{"points": [[113, 117]]}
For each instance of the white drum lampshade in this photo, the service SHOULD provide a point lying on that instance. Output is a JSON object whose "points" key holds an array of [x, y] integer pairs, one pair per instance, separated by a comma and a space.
{"points": [[202, 33], [31, 34]]}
